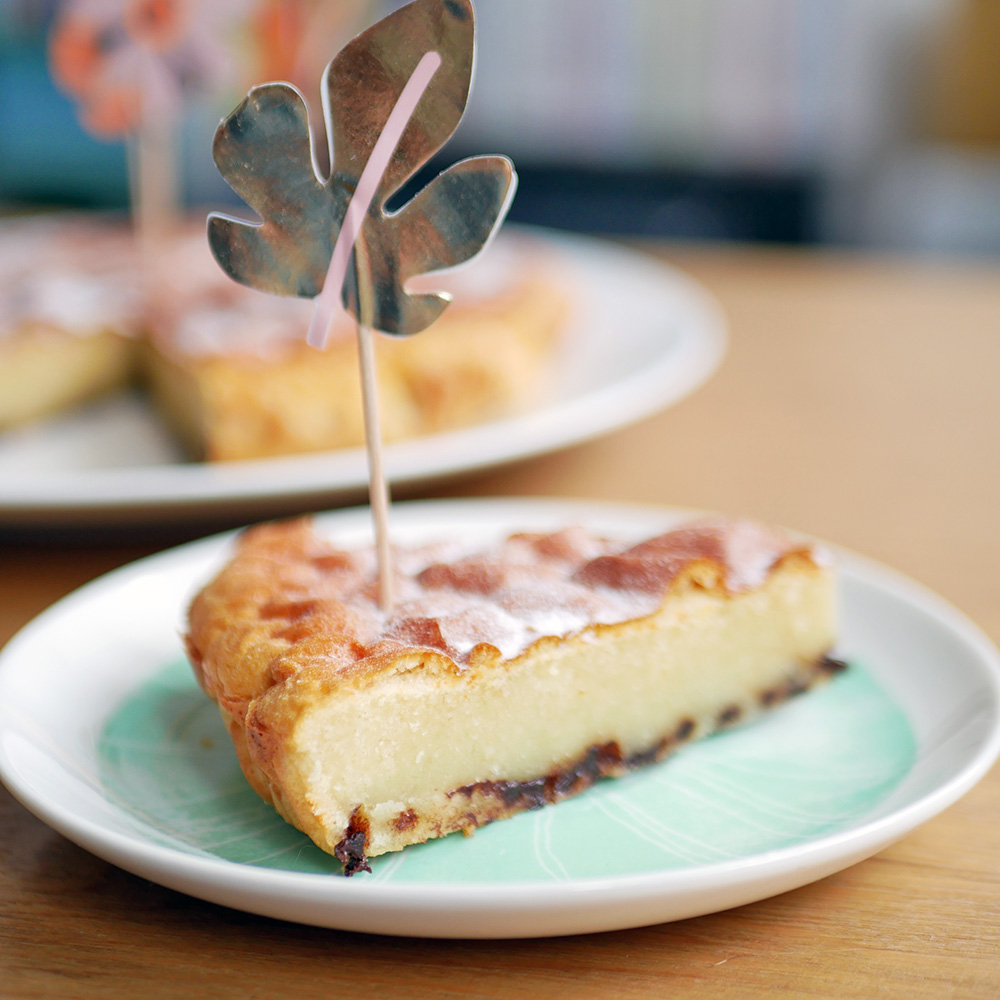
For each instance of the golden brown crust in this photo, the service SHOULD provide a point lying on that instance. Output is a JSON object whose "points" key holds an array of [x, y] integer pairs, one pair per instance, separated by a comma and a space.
{"points": [[290, 603]]}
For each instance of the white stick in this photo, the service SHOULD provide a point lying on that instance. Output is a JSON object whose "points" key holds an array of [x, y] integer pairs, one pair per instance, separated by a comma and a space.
{"points": [[378, 488], [153, 182]]}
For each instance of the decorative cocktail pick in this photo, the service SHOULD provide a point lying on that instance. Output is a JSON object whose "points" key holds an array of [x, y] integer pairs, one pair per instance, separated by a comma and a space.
{"points": [[130, 65], [392, 97]]}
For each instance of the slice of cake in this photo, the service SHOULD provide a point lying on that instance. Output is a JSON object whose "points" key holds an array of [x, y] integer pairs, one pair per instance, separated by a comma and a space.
{"points": [[501, 680], [230, 370], [70, 310]]}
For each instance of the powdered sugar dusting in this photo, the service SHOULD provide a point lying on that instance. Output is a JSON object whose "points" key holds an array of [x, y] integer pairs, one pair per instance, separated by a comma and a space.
{"points": [[750, 550], [529, 586], [75, 275]]}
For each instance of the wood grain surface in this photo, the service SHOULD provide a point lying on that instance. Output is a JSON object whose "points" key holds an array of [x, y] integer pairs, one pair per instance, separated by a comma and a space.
{"points": [[858, 402]]}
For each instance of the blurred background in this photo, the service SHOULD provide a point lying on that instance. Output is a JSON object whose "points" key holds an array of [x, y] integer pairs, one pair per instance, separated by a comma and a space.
{"points": [[843, 122]]}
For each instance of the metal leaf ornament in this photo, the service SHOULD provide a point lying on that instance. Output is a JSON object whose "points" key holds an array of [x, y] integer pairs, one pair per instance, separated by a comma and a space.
{"points": [[392, 98]]}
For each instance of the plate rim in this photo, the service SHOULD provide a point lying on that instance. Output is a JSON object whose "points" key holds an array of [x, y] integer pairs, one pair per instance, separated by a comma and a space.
{"points": [[492, 903]]}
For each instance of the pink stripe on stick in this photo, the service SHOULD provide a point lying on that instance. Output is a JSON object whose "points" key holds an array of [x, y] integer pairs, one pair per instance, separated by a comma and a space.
{"points": [[328, 300]]}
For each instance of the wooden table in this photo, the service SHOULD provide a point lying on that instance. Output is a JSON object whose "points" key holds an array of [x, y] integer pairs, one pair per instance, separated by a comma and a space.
{"points": [[859, 402]]}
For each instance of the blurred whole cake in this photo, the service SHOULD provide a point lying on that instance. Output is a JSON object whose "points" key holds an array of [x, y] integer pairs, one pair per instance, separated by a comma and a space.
{"points": [[231, 371], [228, 369]]}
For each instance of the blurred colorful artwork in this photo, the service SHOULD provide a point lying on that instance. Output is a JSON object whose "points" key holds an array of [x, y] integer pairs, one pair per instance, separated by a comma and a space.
{"points": [[124, 61]]}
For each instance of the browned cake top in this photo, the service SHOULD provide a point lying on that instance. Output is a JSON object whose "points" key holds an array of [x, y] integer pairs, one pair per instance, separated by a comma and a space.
{"points": [[74, 273], [289, 600]]}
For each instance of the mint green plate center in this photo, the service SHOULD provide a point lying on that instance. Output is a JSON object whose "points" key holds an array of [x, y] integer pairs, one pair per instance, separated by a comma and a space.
{"points": [[815, 766]]}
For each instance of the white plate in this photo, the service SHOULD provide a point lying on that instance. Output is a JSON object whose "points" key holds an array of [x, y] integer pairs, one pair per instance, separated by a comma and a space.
{"points": [[642, 336], [104, 735]]}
